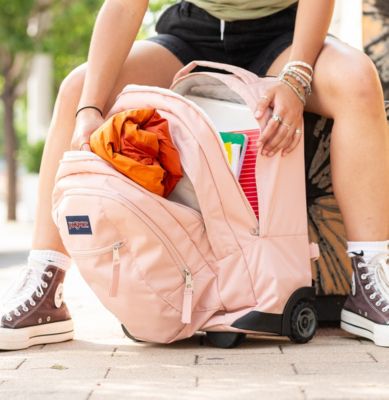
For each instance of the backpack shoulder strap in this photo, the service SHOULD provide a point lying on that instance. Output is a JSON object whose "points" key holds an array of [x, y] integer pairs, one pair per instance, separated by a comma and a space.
{"points": [[280, 180]]}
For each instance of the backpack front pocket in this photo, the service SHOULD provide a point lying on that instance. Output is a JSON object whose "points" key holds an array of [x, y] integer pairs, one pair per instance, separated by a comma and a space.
{"points": [[135, 274], [112, 254]]}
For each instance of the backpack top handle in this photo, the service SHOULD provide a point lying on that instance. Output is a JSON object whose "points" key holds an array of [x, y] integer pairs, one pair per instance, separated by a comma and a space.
{"points": [[244, 75]]}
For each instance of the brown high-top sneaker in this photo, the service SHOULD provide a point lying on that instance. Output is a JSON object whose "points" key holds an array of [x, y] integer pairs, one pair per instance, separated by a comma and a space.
{"points": [[366, 310], [34, 312]]}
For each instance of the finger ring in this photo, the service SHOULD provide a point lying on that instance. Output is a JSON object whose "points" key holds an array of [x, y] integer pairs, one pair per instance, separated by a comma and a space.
{"points": [[285, 124], [298, 131], [264, 97], [277, 118]]}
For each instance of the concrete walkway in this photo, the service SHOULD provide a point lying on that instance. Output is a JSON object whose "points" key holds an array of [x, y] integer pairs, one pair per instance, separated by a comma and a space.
{"points": [[102, 364]]}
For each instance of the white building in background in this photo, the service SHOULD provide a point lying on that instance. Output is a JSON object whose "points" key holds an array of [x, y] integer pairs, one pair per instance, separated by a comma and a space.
{"points": [[39, 97]]}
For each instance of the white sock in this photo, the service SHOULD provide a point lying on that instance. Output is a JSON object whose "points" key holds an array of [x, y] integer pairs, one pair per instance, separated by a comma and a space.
{"points": [[43, 258], [367, 249]]}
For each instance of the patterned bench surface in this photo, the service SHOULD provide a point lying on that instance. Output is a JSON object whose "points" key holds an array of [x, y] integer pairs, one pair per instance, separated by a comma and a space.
{"points": [[332, 272]]}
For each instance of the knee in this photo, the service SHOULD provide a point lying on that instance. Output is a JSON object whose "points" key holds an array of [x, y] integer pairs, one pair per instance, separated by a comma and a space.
{"points": [[355, 77], [71, 87]]}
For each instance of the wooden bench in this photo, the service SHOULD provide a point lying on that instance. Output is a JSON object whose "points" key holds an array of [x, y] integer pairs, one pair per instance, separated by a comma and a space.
{"points": [[332, 272]]}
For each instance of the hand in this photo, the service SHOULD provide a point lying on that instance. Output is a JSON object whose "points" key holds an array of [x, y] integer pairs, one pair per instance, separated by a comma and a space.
{"points": [[279, 134], [86, 123]]}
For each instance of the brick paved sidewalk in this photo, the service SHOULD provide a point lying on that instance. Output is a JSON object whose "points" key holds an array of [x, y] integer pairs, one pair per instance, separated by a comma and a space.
{"points": [[102, 364]]}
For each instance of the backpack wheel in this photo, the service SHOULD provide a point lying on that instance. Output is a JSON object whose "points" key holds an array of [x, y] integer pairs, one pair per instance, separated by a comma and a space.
{"points": [[225, 340], [128, 334], [303, 322]]}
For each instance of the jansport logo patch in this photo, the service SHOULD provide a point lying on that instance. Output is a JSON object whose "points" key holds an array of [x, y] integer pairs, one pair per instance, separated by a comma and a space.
{"points": [[79, 225]]}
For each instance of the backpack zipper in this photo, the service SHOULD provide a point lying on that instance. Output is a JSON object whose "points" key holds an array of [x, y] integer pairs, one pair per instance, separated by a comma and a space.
{"points": [[77, 156], [208, 121], [115, 248], [188, 295], [185, 272], [115, 271], [99, 250]]}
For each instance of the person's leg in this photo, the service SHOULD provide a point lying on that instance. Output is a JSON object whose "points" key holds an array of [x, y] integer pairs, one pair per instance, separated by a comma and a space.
{"points": [[149, 64], [346, 88], [34, 312]]}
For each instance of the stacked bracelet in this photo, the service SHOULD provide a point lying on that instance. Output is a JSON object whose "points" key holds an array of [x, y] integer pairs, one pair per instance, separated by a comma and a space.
{"points": [[301, 72], [300, 64], [300, 79], [301, 96], [86, 107], [296, 77]]}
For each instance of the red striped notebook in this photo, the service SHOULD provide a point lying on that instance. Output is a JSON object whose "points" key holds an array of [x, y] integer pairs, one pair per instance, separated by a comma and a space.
{"points": [[247, 175]]}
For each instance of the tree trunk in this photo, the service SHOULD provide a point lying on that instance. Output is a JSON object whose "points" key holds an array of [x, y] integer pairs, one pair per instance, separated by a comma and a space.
{"points": [[10, 151]]}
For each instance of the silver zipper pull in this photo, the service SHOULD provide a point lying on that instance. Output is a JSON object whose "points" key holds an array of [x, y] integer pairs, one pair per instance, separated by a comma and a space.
{"points": [[188, 279], [115, 269], [186, 317], [116, 253]]}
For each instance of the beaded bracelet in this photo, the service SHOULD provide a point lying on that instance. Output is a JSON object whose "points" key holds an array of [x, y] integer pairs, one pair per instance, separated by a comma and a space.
{"points": [[301, 72], [295, 90], [304, 81], [300, 64], [300, 79], [294, 69]]}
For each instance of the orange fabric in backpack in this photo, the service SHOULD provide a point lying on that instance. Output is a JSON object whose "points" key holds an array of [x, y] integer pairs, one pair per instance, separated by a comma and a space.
{"points": [[138, 144]]}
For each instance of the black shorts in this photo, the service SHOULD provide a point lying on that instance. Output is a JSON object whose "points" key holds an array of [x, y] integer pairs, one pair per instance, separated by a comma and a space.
{"points": [[190, 33]]}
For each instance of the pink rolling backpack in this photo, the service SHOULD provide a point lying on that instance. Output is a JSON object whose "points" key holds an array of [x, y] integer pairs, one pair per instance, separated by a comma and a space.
{"points": [[200, 260]]}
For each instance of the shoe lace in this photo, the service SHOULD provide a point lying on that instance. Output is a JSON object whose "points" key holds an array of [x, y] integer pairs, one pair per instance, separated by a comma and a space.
{"points": [[378, 270], [21, 293]]}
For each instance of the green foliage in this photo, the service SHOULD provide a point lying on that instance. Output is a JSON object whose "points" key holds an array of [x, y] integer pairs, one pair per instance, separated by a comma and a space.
{"points": [[13, 25], [20, 120], [1, 131], [25, 154], [155, 8], [31, 155], [72, 25], [68, 39], [60, 27], [156, 5]]}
